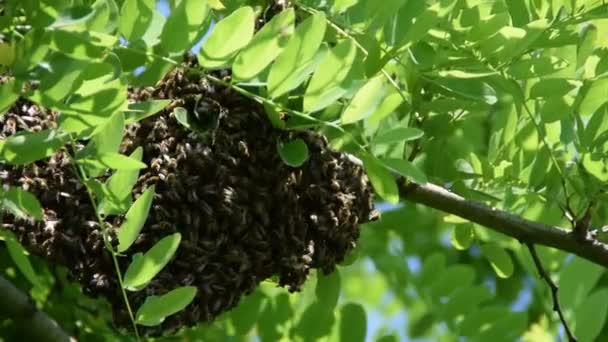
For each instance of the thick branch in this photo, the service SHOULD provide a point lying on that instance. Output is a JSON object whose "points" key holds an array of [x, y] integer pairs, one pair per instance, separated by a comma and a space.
{"points": [[35, 324], [524, 230]]}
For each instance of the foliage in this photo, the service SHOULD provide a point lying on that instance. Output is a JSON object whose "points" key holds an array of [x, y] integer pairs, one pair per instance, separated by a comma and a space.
{"points": [[503, 102]]}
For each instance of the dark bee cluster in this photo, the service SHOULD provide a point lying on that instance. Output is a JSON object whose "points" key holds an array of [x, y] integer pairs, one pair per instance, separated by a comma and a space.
{"points": [[243, 214]]}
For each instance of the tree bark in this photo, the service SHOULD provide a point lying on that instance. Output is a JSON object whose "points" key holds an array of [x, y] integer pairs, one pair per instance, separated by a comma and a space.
{"points": [[35, 325], [524, 230]]}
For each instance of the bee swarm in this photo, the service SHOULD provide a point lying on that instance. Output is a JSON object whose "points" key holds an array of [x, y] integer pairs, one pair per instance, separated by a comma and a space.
{"points": [[244, 215]]}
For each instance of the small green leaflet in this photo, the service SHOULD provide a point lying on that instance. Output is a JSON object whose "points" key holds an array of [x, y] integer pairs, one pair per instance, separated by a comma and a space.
{"points": [[499, 259], [381, 179], [135, 220], [366, 101], [328, 290], [590, 316], [113, 161], [141, 110], [228, 37], [265, 46], [396, 135], [27, 147], [21, 203], [116, 198], [462, 236], [552, 87], [135, 18], [8, 95], [299, 52], [294, 153], [353, 323], [331, 79], [405, 169], [155, 309], [20, 256], [245, 316], [144, 268], [184, 26], [452, 279]]}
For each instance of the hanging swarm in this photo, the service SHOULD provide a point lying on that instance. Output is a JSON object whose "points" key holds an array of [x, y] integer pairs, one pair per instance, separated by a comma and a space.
{"points": [[243, 214]]}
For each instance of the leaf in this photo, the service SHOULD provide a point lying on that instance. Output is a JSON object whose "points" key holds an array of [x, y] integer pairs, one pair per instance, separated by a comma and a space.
{"points": [[27, 147], [590, 315], [285, 73], [184, 26], [406, 169], [21, 203], [552, 87], [247, 313], [141, 110], [107, 140], [576, 279], [20, 257], [135, 18], [117, 198], [328, 290], [462, 236], [471, 89], [331, 80], [228, 37], [451, 279], [294, 153], [594, 97], [155, 309], [144, 268], [365, 102], [8, 95], [382, 181], [135, 219], [499, 259], [113, 161], [536, 67], [596, 166], [396, 135], [265, 46], [353, 323], [7, 54], [465, 301]]}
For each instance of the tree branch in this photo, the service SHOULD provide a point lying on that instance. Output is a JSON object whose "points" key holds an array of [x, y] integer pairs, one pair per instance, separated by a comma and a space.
{"points": [[554, 289], [524, 230], [37, 326]]}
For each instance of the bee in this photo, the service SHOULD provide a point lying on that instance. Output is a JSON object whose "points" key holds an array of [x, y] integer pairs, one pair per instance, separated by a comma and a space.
{"points": [[243, 149]]}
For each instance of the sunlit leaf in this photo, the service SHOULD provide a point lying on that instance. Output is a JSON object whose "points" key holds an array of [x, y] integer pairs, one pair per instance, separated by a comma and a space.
{"points": [[144, 267], [294, 153], [135, 220], [155, 309], [499, 259], [184, 25]]}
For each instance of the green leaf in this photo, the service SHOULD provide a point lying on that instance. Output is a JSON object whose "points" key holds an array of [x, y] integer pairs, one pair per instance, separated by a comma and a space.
{"points": [[353, 323], [8, 95], [246, 314], [406, 169], [595, 164], [552, 87], [141, 110], [135, 220], [144, 268], [285, 73], [465, 301], [155, 309], [365, 102], [590, 315], [426, 21], [228, 37], [450, 280], [27, 147], [576, 279], [536, 67], [21, 203], [594, 97], [462, 236], [20, 257], [113, 161], [328, 290], [294, 153], [499, 259], [107, 140], [184, 26], [333, 78], [396, 135], [117, 197], [135, 18], [381, 179], [265, 46]]}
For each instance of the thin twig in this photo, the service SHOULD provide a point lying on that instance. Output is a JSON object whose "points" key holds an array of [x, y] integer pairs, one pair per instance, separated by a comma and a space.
{"points": [[554, 289]]}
